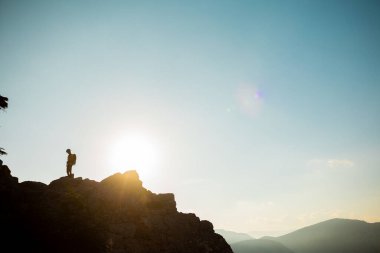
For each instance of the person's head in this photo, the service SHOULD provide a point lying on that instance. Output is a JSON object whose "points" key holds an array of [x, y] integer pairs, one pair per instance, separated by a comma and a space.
{"points": [[68, 151]]}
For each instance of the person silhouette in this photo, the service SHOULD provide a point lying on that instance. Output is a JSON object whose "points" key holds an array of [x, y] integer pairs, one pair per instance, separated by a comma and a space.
{"points": [[71, 160]]}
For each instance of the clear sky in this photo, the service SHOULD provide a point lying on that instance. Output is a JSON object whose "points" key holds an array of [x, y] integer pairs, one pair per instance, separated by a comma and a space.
{"points": [[257, 115]]}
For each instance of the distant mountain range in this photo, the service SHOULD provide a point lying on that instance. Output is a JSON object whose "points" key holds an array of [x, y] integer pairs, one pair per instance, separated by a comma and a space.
{"points": [[331, 236], [232, 237], [274, 233], [259, 246]]}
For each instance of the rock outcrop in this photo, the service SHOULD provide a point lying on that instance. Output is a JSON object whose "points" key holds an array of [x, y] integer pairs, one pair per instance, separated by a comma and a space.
{"points": [[115, 215]]}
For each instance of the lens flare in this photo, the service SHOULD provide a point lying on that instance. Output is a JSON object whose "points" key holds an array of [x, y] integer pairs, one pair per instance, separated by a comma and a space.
{"points": [[250, 99]]}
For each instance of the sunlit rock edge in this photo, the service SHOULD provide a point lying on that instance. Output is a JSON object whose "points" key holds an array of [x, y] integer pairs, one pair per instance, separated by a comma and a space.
{"points": [[115, 215]]}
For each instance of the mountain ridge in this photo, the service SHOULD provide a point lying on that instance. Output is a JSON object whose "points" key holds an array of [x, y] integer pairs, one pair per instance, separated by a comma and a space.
{"points": [[232, 237], [330, 236], [115, 215], [259, 246], [335, 235]]}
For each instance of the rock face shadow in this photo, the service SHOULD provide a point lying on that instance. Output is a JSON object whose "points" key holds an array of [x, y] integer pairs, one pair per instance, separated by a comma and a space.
{"points": [[115, 215]]}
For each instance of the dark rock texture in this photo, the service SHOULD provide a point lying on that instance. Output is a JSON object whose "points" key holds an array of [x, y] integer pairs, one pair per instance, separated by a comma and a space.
{"points": [[115, 215]]}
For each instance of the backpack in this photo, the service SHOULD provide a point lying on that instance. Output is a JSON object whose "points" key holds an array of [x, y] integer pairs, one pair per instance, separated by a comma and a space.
{"points": [[74, 158]]}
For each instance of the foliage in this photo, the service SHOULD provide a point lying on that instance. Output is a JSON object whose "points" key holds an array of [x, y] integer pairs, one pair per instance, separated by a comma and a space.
{"points": [[3, 102], [3, 106]]}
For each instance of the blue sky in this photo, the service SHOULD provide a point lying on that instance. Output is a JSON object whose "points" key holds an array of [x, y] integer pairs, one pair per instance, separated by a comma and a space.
{"points": [[264, 114]]}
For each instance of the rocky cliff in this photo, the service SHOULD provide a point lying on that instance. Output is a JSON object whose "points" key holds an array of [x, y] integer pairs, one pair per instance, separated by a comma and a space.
{"points": [[115, 215]]}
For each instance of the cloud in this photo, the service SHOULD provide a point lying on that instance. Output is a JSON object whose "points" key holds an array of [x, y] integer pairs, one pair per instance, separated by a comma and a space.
{"points": [[330, 163], [334, 163]]}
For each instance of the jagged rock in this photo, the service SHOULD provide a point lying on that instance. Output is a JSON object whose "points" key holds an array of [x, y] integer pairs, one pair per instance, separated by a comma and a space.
{"points": [[5, 175], [116, 215]]}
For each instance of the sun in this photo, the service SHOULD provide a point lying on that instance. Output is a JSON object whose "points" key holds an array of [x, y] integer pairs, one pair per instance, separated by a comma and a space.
{"points": [[135, 152]]}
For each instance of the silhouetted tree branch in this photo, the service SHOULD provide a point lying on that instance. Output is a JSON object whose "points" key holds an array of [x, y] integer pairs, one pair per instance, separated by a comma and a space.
{"points": [[3, 106], [2, 152], [3, 102]]}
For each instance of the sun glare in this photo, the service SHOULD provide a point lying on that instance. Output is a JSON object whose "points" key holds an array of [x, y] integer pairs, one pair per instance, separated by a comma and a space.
{"points": [[134, 152]]}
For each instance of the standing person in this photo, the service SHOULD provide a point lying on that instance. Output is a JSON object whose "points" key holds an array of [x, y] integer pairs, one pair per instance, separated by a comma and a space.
{"points": [[71, 160]]}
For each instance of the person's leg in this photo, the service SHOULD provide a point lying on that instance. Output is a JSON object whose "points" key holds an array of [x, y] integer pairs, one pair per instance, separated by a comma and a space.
{"points": [[68, 169]]}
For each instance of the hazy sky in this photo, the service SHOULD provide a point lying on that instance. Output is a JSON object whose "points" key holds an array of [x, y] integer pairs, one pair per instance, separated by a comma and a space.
{"points": [[257, 115]]}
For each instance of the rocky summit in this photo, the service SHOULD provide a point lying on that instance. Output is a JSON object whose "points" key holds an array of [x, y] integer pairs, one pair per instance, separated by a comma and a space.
{"points": [[115, 215]]}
